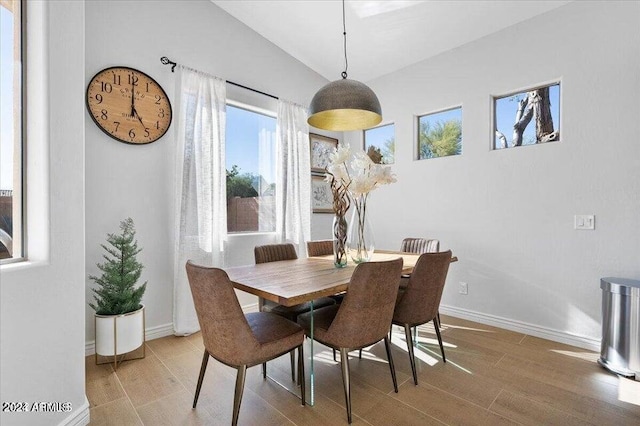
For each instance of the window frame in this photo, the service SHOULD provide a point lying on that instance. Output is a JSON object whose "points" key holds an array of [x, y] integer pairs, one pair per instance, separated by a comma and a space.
{"points": [[498, 97], [364, 139], [268, 112], [416, 124], [19, 201]]}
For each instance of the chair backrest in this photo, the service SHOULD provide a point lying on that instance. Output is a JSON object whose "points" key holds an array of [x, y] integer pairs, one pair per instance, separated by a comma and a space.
{"points": [[274, 253], [420, 301], [319, 248], [420, 245], [365, 314], [225, 331]]}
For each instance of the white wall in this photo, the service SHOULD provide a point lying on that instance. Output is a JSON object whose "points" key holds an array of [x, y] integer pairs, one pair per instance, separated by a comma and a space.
{"points": [[43, 300], [139, 181], [508, 214]]}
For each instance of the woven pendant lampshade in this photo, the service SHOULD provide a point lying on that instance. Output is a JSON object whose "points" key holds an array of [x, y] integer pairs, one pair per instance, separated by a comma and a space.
{"points": [[344, 104]]}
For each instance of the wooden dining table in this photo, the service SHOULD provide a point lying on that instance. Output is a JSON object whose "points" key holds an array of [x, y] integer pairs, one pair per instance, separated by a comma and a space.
{"points": [[291, 282]]}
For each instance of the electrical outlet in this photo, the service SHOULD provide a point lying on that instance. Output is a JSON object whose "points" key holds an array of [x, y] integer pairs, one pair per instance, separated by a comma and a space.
{"points": [[464, 288]]}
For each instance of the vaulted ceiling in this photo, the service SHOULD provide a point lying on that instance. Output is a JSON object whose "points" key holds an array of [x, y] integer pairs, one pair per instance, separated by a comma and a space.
{"points": [[382, 36]]}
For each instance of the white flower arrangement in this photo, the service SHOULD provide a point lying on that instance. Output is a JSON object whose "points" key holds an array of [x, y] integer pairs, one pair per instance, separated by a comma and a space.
{"points": [[355, 178], [360, 175]]}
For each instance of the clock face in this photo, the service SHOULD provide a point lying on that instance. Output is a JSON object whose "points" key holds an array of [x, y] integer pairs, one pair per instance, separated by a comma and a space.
{"points": [[128, 105]]}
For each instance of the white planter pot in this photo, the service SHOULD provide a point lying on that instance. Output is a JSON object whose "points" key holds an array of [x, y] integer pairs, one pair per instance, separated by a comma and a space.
{"points": [[119, 334]]}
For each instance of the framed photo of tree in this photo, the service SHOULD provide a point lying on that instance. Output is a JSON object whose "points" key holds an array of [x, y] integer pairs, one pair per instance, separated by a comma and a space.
{"points": [[380, 143], [440, 133], [527, 117], [321, 147], [321, 195]]}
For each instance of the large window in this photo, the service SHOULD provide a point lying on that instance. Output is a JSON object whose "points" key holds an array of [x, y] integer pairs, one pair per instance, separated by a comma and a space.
{"points": [[250, 163], [11, 135]]}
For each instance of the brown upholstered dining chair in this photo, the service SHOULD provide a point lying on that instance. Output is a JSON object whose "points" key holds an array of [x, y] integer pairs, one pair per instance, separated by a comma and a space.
{"points": [[418, 303], [362, 319], [420, 245], [235, 339], [274, 253], [319, 248]]}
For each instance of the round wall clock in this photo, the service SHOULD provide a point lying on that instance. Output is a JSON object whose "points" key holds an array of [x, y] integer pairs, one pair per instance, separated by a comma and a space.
{"points": [[128, 105]]}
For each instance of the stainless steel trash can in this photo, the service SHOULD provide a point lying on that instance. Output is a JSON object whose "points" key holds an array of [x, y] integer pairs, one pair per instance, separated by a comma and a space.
{"points": [[620, 349]]}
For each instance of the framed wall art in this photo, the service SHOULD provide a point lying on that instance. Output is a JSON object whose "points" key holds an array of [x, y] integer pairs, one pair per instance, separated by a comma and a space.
{"points": [[527, 117], [321, 196], [321, 147]]}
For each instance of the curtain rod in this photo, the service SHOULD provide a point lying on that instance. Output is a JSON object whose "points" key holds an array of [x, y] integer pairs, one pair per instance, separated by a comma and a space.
{"points": [[167, 61]]}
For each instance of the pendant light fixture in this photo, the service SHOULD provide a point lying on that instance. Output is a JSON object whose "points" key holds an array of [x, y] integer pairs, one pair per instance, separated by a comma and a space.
{"points": [[344, 104]]}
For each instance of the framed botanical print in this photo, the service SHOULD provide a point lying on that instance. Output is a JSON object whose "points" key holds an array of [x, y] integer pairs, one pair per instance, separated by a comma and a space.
{"points": [[321, 196], [321, 147]]}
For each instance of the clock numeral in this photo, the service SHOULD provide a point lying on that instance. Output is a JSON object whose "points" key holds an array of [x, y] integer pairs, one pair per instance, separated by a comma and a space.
{"points": [[116, 79], [147, 86], [157, 124], [161, 112], [98, 98], [146, 132], [117, 123], [106, 87], [158, 99], [133, 80], [103, 114], [132, 134]]}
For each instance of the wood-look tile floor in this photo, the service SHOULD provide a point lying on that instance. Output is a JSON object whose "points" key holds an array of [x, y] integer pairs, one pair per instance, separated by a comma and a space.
{"points": [[492, 377]]}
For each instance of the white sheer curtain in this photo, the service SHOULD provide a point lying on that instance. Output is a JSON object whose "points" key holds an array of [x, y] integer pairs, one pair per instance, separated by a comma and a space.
{"points": [[201, 205], [293, 172]]}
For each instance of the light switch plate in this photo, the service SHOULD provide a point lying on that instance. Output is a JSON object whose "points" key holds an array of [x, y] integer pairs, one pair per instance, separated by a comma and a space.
{"points": [[584, 222], [464, 288]]}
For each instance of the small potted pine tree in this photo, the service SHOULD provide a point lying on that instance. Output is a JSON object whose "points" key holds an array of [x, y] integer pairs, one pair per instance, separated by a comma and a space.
{"points": [[119, 317]]}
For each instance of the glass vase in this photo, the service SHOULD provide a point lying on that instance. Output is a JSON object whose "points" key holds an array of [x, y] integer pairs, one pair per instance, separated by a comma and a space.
{"points": [[339, 241], [361, 243]]}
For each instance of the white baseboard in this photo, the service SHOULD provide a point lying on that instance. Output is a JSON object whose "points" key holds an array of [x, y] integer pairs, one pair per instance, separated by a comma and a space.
{"points": [[79, 417], [253, 307], [523, 327], [150, 333]]}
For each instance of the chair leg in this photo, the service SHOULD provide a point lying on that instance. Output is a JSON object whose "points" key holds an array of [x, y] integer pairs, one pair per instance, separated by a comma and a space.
{"points": [[438, 315], [412, 359], [437, 327], [344, 361], [292, 355], [334, 355], [360, 354], [264, 370], [203, 368], [301, 377], [391, 366], [237, 397]]}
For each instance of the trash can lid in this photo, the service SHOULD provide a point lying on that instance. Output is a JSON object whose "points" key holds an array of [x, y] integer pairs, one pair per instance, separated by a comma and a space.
{"points": [[619, 285]]}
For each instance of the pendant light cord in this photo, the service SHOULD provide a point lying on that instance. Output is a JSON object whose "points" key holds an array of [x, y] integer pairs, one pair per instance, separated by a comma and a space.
{"points": [[344, 33]]}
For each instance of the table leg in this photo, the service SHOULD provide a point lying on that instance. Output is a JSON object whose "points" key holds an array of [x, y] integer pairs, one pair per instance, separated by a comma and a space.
{"points": [[311, 372]]}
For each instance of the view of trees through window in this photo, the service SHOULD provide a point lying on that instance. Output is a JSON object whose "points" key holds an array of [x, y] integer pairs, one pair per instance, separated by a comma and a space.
{"points": [[527, 118], [250, 164], [440, 134], [380, 144], [11, 129]]}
